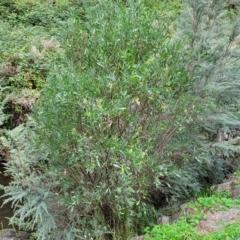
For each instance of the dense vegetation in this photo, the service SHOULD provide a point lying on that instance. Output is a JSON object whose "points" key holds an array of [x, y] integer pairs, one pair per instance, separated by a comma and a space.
{"points": [[190, 223], [134, 104]]}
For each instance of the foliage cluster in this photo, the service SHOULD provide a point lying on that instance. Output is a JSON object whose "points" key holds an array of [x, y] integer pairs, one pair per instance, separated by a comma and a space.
{"points": [[26, 56], [184, 231], [48, 14], [130, 119], [213, 40]]}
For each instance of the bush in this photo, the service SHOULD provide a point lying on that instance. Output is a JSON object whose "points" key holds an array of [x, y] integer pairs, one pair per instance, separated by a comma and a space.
{"points": [[24, 65], [37, 12], [99, 123]]}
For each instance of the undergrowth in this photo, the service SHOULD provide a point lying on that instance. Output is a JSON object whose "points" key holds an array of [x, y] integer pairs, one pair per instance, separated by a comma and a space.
{"points": [[192, 214]]}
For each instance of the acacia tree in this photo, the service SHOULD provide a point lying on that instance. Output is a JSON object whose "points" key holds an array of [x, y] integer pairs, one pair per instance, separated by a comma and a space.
{"points": [[212, 33], [119, 126]]}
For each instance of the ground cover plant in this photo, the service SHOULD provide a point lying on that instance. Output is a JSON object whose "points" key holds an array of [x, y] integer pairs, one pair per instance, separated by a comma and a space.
{"points": [[185, 227], [136, 111]]}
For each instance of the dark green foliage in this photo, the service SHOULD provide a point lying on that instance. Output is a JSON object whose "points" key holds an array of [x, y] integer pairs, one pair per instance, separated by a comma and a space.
{"points": [[36, 13], [24, 64]]}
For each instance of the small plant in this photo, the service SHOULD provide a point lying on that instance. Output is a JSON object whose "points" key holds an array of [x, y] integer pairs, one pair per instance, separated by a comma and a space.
{"points": [[183, 231], [184, 228], [32, 238], [231, 231], [177, 231]]}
